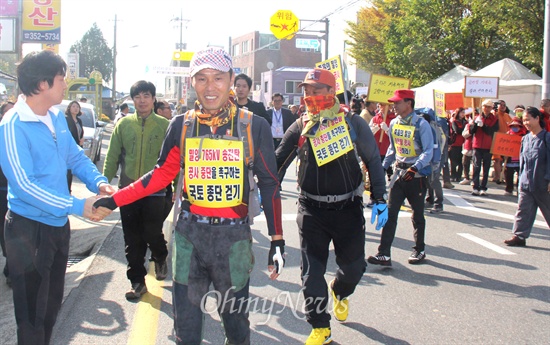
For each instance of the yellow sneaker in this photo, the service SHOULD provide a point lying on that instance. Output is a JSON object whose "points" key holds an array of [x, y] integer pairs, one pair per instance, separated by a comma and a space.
{"points": [[319, 336], [340, 308]]}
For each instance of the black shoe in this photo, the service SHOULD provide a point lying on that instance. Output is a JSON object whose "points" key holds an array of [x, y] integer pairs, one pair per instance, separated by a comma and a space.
{"points": [[161, 270], [416, 257], [515, 241], [137, 290], [379, 260], [436, 209]]}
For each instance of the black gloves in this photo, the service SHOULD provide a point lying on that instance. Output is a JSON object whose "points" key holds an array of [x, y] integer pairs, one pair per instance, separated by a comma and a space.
{"points": [[107, 202], [409, 175], [276, 256]]}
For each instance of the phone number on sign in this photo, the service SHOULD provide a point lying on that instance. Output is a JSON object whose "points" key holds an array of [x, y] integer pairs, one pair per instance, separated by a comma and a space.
{"points": [[42, 36]]}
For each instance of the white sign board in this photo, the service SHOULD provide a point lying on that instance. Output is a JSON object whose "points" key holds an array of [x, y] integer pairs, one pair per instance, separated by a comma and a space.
{"points": [[72, 66], [307, 43], [7, 35], [481, 87], [362, 90], [170, 70]]}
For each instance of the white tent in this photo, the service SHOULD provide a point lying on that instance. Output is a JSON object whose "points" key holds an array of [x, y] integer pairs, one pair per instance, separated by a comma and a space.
{"points": [[424, 96], [517, 85]]}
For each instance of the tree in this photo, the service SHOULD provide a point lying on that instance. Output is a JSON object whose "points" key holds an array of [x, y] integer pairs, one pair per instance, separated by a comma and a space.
{"points": [[94, 53], [7, 63], [421, 39]]}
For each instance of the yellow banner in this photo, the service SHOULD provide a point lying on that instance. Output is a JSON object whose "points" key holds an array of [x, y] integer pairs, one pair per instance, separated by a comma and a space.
{"points": [[335, 66], [382, 87], [403, 139], [439, 103], [41, 21], [53, 47], [331, 141], [214, 172]]}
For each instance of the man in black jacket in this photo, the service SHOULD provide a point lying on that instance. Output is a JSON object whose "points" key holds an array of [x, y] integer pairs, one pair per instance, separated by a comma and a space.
{"points": [[279, 118], [242, 85], [330, 205]]}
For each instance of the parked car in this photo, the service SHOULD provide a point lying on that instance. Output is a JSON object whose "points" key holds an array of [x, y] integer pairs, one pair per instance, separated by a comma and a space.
{"points": [[131, 106], [93, 129]]}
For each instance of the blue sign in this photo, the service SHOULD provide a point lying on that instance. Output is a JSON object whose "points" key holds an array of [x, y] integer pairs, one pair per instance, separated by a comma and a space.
{"points": [[237, 70], [307, 43]]}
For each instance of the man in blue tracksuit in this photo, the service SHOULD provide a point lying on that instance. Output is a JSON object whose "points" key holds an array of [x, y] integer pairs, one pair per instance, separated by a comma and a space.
{"points": [[37, 151]]}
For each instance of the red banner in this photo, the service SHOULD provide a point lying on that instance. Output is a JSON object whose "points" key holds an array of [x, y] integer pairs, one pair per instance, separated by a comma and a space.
{"points": [[454, 100], [506, 145]]}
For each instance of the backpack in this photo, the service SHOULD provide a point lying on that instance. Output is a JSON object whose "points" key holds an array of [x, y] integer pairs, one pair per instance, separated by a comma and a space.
{"points": [[244, 133], [439, 143]]}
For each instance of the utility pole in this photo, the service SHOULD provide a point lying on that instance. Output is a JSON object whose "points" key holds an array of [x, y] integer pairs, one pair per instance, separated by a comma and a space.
{"points": [[114, 67], [324, 32], [546, 53], [181, 46]]}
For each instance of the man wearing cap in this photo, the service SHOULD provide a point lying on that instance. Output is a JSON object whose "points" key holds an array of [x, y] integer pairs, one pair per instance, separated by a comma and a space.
{"points": [[411, 146], [330, 205], [213, 238], [483, 129]]}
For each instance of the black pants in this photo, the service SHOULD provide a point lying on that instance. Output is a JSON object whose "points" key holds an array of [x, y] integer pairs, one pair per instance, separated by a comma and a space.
{"points": [[345, 227], [414, 191], [70, 179], [455, 155], [37, 256], [481, 156], [3, 210], [466, 161], [509, 177], [142, 226]]}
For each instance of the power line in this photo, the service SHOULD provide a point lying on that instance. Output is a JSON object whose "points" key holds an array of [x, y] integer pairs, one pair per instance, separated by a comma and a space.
{"points": [[337, 10]]}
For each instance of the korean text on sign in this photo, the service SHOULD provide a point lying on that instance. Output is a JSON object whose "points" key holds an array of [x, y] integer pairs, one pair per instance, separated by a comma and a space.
{"points": [[439, 103], [214, 172], [481, 87], [403, 140], [331, 141], [506, 145], [333, 64], [41, 21], [382, 87]]}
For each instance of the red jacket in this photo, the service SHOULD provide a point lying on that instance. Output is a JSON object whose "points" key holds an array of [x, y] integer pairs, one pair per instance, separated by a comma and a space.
{"points": [[385, 142], [458, 127], [546, 119], [468, 142], [483, 137]]}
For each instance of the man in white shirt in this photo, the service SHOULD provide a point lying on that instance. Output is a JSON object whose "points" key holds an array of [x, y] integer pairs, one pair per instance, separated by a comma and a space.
{"points": [[279, 118]]}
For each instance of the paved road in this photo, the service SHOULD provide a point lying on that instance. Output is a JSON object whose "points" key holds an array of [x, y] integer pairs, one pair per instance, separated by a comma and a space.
{"points": [[471, 289]]}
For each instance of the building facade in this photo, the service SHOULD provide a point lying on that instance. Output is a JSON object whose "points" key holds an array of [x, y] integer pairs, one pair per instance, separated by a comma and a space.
{"points": [[255, 53]]}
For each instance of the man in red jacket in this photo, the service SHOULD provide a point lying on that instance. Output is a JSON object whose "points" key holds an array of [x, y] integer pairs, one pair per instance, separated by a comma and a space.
{"points": [[545, 110], [484, 126]]}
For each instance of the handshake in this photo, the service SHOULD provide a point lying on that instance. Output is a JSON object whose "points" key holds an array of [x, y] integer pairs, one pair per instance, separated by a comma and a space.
{"points": [[96, 208]]}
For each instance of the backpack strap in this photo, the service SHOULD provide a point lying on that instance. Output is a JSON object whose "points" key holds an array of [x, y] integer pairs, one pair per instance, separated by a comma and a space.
{"points": [[187, 131], [244, 126]]}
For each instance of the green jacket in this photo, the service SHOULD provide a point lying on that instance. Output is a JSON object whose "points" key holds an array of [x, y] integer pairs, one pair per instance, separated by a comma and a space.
{"points": [[135, 146]]}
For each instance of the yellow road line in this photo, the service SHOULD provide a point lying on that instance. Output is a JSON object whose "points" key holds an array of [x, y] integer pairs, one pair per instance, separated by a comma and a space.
{"points": [[145, 325]]}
